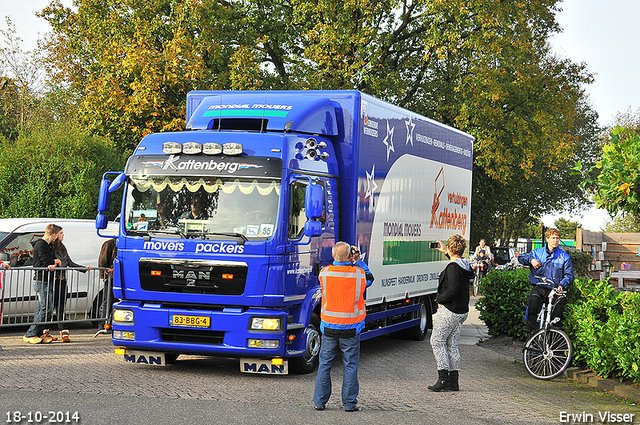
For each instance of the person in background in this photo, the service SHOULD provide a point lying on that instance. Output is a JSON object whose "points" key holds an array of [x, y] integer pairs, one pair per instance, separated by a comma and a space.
{"points": [[453, 310], [60, 283], [5, 265], [108, 253], [553, 263], [197, 211], [484, 247], [43, 256], [343, 313]]}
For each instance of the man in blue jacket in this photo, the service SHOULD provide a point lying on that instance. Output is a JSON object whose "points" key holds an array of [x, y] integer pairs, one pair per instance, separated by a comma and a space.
{"points": [[552, 263]]}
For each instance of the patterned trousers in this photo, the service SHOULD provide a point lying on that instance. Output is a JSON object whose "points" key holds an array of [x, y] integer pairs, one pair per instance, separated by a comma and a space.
{"points": [[444, 338]]}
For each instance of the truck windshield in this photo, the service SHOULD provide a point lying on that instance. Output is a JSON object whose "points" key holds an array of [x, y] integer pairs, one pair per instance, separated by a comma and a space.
{"points": [[202, 207]]}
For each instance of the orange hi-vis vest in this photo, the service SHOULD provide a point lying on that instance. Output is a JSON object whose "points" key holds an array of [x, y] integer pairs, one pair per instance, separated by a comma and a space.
{"points": [[343, 294]]}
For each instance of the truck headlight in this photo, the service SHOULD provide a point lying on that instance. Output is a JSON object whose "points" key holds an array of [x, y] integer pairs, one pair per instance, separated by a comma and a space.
{"points": [[123, 316], [266, 324]]}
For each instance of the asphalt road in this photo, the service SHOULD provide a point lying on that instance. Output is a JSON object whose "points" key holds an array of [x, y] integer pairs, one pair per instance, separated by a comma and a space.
{"points": [[86, 377]]}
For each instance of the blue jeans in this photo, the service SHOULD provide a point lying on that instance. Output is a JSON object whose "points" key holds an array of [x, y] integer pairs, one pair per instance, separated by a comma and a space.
{"points": [[350, 348], [44, 309]]}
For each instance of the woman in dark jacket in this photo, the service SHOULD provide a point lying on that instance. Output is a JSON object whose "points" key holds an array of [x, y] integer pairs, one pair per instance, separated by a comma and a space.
{"points": [[60, 283], [453, 309]]}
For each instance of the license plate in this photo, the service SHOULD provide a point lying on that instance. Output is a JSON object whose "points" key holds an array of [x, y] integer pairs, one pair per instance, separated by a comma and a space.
{"points": [[263, 366], [152, 358], [189, 321]]}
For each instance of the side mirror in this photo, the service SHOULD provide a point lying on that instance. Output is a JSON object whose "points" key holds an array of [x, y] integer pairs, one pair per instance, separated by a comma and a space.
{"points": [[313, 201], [117, 182], [312, 228], [101, 221], [4, 257], [104, 195]]}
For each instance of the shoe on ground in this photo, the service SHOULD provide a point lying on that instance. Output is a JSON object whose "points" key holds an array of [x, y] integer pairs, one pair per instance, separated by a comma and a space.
{"points": [[47, 334], [318, 407], [32, 339], [354, 409], [64, 336], [46, 339]]}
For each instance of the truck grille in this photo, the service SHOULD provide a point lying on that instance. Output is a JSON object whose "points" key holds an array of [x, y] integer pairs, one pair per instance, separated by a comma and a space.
{"points": [[193, 276], [193, 336]]}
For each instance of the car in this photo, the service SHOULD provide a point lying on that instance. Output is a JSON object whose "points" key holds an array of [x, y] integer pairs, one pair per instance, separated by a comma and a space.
{"points": [[85, 290], [502, 255]]}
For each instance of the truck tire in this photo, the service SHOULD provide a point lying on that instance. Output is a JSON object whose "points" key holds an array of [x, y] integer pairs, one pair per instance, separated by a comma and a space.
{"points": [[308, 362], [419, 331]]}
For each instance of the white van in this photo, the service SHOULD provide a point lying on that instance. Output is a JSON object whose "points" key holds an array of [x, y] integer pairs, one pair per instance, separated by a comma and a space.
{"points": [[85, 290]]}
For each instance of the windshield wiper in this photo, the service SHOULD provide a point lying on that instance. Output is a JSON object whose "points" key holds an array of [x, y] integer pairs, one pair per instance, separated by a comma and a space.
{"points": [[240, 236]]}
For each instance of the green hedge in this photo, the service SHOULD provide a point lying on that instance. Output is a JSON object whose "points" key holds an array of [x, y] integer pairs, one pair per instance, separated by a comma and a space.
{"points": [[506, 295], [604, 324]]}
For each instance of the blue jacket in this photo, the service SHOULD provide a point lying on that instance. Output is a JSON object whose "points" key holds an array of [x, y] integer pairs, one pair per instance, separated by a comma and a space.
{"points": [[556, 266]]}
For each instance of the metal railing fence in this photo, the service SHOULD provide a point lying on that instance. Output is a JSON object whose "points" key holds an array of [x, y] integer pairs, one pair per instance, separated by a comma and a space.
{"points": [[87, 298]]}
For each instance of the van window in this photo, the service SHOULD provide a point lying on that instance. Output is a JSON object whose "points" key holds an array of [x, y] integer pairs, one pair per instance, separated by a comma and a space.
{"points": [[20, 249]]}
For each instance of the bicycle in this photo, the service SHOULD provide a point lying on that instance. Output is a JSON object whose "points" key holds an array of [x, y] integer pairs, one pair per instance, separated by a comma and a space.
{"points": [[548, 352], [478, 273]]}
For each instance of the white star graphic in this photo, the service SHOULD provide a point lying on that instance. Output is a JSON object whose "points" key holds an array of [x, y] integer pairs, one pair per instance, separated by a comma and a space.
{"points": [[371, 184], [410, 127], [389, 143]]}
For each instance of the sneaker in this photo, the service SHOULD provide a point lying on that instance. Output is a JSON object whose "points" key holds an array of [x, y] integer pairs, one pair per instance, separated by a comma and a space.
{"points": [[47, 334], [64, 336], [353, 409], [32, 339], [46, 339], [318, 407]]}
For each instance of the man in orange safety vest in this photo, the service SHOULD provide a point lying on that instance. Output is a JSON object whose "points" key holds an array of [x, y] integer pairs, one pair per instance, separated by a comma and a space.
{"points": [[343, 313]]}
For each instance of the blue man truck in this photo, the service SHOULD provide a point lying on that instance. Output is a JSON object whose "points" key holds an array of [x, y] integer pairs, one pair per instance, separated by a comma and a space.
{"points": [[225, 226]]}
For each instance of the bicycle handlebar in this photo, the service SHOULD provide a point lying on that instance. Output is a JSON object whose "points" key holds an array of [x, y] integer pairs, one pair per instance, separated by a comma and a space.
{"points": [[546, 281]]}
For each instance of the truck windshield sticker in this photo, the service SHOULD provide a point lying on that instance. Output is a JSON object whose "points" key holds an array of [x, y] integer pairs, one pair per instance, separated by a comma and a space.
{"points": [[202, 165], [256, 109]]}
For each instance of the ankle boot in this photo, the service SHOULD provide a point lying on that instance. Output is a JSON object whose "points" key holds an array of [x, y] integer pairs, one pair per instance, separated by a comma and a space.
{"points": [[443, 382], [453, 380]]}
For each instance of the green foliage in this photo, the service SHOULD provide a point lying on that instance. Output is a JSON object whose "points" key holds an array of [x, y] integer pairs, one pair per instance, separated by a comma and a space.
{"points": [[581, 263], [617, 186], [622, 223], [567, 228], [604, 325], [54, 172], [506, 295]]}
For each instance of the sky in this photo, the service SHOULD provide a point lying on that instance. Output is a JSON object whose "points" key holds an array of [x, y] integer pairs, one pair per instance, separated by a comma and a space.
{"points": [[603, 34]]}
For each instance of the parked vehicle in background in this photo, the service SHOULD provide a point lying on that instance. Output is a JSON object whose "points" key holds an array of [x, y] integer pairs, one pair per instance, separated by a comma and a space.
{"points": [[85, 290], [502, 255]]}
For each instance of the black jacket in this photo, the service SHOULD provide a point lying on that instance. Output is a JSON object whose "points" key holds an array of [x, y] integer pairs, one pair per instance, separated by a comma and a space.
{"points": [[43, 256], [453, 288]]}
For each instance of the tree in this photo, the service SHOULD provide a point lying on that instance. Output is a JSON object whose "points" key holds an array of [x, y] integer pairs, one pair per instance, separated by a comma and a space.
{"points": [[483, 67], [21, 82], [132, 62], [622, 223], [567, 228], [54, 171]]}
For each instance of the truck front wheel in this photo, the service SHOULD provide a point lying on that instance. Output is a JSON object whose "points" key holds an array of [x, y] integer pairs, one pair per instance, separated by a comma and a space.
{"points": [[308, 362]]}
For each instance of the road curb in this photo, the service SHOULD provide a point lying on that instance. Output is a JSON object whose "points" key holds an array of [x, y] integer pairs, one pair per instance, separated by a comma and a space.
{"points": [[611, 385]]}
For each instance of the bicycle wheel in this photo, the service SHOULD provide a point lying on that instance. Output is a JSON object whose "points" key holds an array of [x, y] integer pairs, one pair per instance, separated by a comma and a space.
{"points": [[547, 353], [476, 282]]}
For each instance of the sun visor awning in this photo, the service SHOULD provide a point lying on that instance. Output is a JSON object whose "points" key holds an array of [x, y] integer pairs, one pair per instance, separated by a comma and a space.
{"points": [[279, 112]]}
